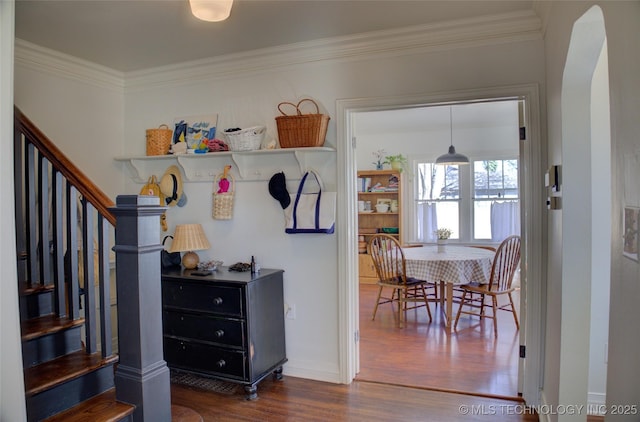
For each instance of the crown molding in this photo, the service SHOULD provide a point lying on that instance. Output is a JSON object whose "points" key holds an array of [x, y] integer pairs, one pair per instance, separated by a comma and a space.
{"points": [[543, 10], [464, 33], [40, 59]]}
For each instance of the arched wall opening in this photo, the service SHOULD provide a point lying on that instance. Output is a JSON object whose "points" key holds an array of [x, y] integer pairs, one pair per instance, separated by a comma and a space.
{"points": [[586, 213]]}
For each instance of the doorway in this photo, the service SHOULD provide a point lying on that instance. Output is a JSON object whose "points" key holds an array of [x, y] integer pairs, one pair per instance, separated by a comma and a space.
{"points": [[531, 259], [472, 359]]}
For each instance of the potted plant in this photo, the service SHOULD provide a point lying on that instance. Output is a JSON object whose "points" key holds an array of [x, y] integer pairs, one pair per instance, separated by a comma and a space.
{"points": [[378, 155], [443, 235], [397, 162]]}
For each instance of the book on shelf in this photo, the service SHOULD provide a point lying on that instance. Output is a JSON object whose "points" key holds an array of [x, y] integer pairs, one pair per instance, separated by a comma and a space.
{"points": [[379, 187], [364, 184]]}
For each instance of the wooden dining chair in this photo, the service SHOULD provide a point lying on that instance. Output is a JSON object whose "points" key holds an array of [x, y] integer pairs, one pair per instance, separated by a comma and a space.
{"points": [[457, 291], [505, 265], [407, 292]]}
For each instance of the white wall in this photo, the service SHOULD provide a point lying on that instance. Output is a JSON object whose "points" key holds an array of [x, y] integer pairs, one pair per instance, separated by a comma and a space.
{"points": [[246, 97], [601, 233], [12, 406], [622, 23], [78, 105]]}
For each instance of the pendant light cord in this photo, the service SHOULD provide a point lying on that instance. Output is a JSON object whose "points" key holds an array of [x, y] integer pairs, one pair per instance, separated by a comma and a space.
{"points": [[451, 125]]}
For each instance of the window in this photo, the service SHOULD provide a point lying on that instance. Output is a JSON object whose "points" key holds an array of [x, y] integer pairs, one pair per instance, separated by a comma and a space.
{"points": [[493, 180], [437, 200], [479, 202]]}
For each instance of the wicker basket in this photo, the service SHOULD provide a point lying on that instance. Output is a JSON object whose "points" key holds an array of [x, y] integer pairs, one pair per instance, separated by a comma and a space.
{"points": [[223, 202], [159, 140], [301, 130], [246, 139]]}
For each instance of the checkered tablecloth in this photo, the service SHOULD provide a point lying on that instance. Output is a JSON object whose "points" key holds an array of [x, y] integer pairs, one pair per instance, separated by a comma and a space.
{"points": [[457, 264]]}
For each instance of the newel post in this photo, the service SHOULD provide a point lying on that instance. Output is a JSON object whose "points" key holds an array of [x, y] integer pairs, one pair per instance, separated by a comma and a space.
{"points": [[142, 376]]}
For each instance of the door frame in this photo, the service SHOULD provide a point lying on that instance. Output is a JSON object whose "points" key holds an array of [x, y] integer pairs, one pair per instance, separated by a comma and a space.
{"points": [[533, 223]]}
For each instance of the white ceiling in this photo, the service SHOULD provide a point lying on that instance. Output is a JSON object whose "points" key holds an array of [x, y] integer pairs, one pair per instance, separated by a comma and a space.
{"points": [[130, 35]]}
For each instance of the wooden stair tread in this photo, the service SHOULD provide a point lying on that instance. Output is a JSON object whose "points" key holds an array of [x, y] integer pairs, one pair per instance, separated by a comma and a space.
{"points": [[48, 324], [101, 408], [26, 288], [42, 377]]}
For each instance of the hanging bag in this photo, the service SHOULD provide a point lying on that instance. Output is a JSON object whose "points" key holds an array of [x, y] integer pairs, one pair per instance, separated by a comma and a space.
{"points": [[153, 189], [311, 212], [169, 259]]}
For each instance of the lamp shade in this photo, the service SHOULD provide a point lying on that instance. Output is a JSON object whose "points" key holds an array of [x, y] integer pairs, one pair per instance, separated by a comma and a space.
{"points": [[189, 237], [452, 157], [211, 10]]}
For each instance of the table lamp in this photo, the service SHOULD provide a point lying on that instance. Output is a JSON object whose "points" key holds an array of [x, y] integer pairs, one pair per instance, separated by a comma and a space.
{"points": [[189, 238]]}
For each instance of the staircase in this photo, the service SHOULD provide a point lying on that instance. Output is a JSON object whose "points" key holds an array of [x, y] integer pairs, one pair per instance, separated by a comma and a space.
{"points": [[64, 231]]}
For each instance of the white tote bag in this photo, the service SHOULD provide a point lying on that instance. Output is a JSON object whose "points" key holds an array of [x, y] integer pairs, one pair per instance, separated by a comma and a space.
{"points": [[311, 212]]}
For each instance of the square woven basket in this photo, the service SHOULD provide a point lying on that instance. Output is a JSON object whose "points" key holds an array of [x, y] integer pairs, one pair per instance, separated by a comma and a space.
{"points": [[159, 140], [301, 130]]}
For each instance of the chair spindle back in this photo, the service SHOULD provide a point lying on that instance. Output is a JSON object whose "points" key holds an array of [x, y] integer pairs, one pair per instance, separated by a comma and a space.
{"points": [[505, 264], [388, 258]]}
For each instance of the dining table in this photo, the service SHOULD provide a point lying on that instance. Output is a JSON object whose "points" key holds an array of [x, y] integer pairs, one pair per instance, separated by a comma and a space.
{"points": [[447, 267]]}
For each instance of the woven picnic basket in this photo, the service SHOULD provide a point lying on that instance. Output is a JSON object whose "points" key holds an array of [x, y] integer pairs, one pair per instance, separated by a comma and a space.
{"points": [[159, 140], [301, 130], [223, 202]]}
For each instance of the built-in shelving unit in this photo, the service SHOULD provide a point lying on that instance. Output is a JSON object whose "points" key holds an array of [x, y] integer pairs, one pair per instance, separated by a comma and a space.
{"points": [[371, 221], [248, 165]]}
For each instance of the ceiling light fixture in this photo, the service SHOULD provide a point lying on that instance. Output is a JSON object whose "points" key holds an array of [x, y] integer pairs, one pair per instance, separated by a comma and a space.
{"points": [[452, 157], [211, 10]]}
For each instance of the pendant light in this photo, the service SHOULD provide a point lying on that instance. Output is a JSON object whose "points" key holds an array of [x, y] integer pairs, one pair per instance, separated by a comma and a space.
{"points": [[452, 157], [211, 10]]}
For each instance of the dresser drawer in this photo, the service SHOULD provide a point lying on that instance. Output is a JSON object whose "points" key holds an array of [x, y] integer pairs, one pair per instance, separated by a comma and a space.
{"points": [[221, 300], [226, 332], [204, 358]]}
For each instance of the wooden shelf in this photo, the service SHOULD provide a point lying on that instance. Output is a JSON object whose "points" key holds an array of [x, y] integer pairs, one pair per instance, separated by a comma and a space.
{"points": [[247, 165], [376, 220]]}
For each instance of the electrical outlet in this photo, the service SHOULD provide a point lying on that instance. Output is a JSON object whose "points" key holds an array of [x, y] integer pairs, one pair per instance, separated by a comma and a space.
{"points": [[291, 312]]}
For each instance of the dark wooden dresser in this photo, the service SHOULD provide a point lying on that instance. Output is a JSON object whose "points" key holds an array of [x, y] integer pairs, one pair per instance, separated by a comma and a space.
{"points": [[227, 325]]}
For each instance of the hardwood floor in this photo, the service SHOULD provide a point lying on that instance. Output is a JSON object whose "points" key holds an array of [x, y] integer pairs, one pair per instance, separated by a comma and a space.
{"points": [[422, 354], [295, 399]]}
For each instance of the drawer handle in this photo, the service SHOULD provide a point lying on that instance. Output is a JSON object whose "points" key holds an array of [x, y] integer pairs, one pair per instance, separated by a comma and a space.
{"points": [[221, 363], [217, 301], [219, 333]]}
